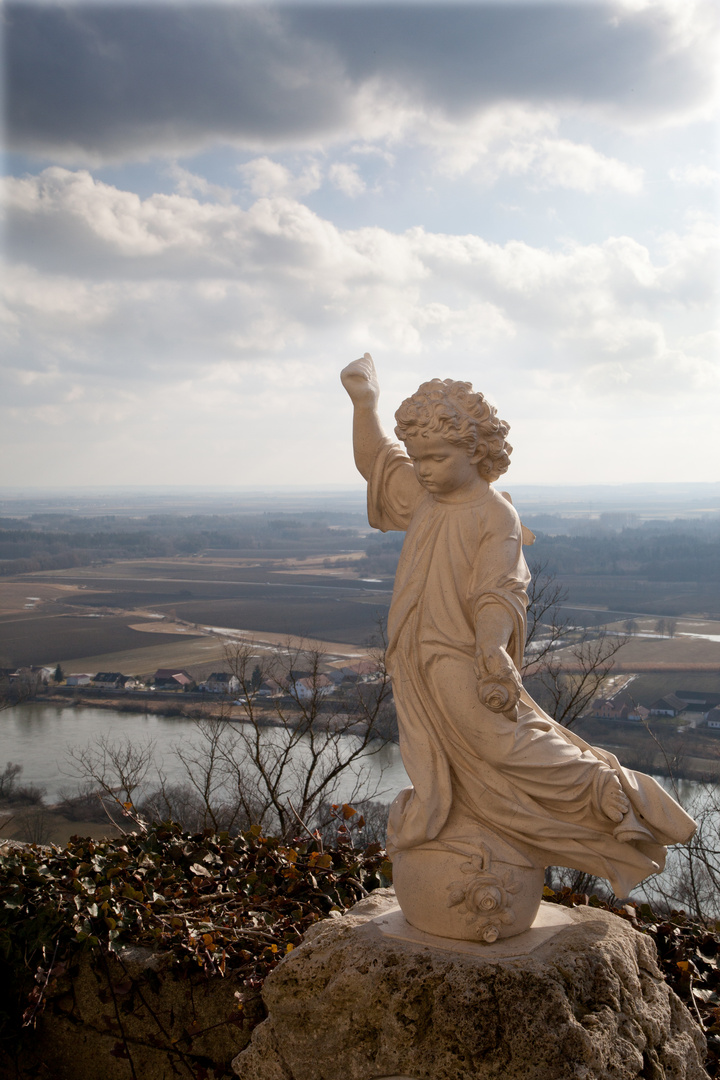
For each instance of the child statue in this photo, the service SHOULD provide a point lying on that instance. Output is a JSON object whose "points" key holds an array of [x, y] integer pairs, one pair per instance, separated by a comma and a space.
{"points": [[499, 789]]}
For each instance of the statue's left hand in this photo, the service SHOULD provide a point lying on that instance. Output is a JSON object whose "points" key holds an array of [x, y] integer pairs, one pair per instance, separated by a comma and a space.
{"points": [[499, 683]]}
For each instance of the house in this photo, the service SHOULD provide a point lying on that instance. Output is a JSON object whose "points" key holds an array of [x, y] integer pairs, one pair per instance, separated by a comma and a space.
{"points": [[619, 707], [313, 686], [109, 680], [170, 679], [303, 685], [363, 671], [344, 675], [713, 718], [698, 700], [29, 679], [670, 705], [79, 680], [269, 688], [221, 682], [34, 675]]}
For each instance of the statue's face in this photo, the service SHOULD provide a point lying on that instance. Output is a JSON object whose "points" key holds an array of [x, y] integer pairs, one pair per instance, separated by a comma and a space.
{"points": [[440, 466]]}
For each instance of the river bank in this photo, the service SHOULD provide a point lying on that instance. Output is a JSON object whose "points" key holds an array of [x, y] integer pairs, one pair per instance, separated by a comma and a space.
{"points": [[40, 736], [692, 754]]}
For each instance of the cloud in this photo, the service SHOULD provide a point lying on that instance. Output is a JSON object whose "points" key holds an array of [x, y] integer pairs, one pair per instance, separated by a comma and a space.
{"points": [[266, 177], [514, 140], [93, 83], [189, 183], [347, 179], [696, 176], [171, 288], [561, 163]]}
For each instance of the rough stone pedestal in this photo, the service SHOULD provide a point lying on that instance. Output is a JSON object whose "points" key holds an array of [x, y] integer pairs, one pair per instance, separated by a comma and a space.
{"points": [[579, 996]]}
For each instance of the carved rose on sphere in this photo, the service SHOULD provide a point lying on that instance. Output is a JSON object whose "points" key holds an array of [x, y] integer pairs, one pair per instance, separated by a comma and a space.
{"points": [[494, 695], [485, 897]]}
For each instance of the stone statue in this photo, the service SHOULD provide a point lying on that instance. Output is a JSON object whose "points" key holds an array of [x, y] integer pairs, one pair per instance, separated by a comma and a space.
{"points": [[499, 789]]}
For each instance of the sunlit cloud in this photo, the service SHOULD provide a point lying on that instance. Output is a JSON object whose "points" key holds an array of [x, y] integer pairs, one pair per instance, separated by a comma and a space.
{"points": [[210, 209]]}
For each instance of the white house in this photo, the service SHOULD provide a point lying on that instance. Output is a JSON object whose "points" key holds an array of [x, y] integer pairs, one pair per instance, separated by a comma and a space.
{"points": [[79, 680]]}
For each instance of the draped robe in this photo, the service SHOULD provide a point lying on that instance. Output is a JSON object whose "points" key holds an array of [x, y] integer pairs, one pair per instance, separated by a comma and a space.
{"points": [[534, 784]]}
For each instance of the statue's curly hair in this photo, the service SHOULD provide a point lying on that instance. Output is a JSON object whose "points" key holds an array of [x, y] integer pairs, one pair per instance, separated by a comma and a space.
{"points": [[463, 417]]}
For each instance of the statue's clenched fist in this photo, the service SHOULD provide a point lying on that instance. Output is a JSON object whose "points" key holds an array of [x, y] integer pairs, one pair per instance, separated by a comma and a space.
{"points": [[361, 381]]}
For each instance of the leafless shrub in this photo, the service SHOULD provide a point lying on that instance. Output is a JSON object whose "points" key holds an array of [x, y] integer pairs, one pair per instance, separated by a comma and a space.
{"points": [[8, 778], [32, 825], [565, 668], [288, 755]]}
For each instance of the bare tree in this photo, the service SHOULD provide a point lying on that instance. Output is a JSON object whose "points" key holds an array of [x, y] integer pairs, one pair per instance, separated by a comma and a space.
{"points": [[118, 768], [21, 687], [546, 627], [280, 767], [691, 879], [33, 825], [211, 791], [289, 755], [8, 779], [180, 802], [565, 668]]}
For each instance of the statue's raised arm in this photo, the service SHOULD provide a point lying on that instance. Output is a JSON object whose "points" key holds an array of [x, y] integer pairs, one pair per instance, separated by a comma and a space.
{"points": [[361, 382]]}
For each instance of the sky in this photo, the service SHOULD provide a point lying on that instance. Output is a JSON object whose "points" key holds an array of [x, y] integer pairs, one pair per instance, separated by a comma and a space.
{"points": [[211, 208]]}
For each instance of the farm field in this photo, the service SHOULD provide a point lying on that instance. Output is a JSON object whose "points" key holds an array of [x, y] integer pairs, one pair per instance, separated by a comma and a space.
{"points": [[89, 616], [51, 639], [647, 687], [15, 596], [96, 616], [694, 646], [625, 594], [123, 613], [202, 655], [650, 654]]}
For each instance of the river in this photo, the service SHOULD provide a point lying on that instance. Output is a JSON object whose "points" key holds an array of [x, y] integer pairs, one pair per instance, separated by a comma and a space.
{"points": [[39, 737]]}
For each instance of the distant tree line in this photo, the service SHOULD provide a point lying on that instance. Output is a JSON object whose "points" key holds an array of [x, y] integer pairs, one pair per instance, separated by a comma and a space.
{"points": [[656, 551], [650, 552], [681, 550], [60, 541]]}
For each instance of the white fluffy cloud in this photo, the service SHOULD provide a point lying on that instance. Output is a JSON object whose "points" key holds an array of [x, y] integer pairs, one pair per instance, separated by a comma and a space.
{"points": [[271, 280], [264, 176], [347, 178]]}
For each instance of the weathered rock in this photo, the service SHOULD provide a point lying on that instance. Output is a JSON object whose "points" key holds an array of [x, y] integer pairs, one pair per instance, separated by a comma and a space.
{"points": [[136, 1016], [587, 1003]]}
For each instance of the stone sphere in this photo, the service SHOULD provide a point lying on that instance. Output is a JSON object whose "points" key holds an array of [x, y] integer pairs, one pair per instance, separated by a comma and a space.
{"points": [[466, 897]]}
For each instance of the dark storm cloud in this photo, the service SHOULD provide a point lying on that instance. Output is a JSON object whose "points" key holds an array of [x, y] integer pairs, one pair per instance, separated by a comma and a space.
{"points": [[111, 79], [124, 80], [460, 56]]}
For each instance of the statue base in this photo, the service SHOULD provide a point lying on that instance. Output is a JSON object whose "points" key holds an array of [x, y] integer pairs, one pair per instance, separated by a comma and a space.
{"points": [[368, 997], [470, 897]]}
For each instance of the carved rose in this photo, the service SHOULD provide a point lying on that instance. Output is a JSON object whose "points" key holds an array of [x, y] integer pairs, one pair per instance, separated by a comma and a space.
{"points": [[485, 898], [495, 696]]}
